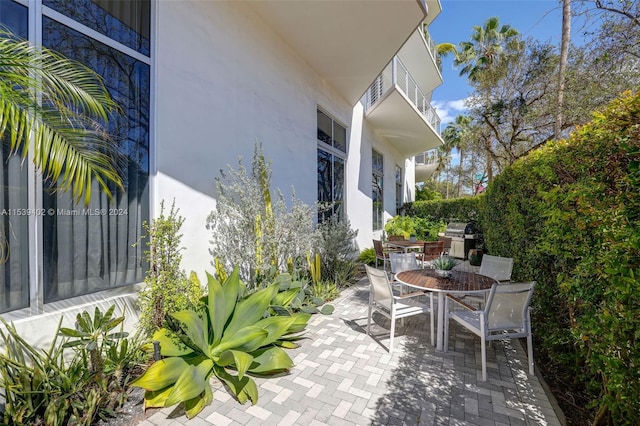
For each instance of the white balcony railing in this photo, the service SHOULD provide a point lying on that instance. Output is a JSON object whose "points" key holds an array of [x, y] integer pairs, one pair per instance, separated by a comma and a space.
{"points": [[431, 45], [396, 75], [427, 157]]}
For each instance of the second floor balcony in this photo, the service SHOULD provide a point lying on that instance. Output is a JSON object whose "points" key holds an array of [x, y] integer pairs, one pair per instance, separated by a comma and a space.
{"points": [[401, 112]]}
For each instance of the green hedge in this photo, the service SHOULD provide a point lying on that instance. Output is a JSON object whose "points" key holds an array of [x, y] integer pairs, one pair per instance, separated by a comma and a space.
{"points": [[569, 215], [456, 209]]}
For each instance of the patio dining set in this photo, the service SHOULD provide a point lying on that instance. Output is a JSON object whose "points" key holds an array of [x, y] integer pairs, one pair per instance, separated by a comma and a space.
{"points": [[486, 302]]}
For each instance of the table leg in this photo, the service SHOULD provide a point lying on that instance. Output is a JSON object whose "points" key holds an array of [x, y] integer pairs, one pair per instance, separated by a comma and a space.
{"points": [[440, 331]]}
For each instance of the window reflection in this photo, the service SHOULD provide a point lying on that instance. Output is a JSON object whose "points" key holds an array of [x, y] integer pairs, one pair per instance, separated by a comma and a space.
{"points": [[87, 253], [14, 224], [126, 21]]}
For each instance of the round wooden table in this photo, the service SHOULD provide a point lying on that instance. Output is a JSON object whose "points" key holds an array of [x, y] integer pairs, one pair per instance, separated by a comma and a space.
{"points": [[460, 283]]}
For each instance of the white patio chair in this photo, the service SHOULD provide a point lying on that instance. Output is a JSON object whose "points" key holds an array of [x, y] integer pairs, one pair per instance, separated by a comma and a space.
{"points": [[496, 267], [506, 315], [382, 300], [401, 262]]}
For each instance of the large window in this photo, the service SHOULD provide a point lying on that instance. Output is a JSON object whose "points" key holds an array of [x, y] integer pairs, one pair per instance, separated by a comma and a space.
{"points": [[14, 222], [86, 249], [332, 148], [377, 198]]}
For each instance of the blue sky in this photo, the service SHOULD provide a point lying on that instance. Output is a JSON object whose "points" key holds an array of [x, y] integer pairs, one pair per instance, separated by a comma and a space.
{"points": [[540, 19]]}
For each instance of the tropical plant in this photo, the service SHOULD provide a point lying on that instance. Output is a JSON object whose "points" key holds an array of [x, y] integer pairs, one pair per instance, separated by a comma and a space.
{"points": [[367, 256], [94, 335], [489, 45], [232, 338], [50, 387], [64, 106], [168, 289], [325, 290], [444, 263], [297, 295]]}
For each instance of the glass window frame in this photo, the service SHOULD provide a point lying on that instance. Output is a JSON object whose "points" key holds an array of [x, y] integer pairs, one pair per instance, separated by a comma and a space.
{"points": [[377, 199], [36, 12], [335, 154]]}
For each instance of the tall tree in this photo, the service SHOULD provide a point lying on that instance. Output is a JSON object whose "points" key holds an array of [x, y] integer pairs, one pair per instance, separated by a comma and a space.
{"points": [[564, 56], [488, 46], [455, 137], [62, 107]]}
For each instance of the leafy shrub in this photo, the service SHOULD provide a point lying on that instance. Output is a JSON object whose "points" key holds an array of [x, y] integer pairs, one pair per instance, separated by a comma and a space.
{"points": [[456, 209], [569, 215], [230, 333], [367, 256], [167, 287], [337, 249], [49, 387], [422, 228], [252, 230]]}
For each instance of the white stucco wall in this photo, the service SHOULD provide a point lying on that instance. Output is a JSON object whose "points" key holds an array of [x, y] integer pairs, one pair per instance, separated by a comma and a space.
{"points": [[225, 80]]}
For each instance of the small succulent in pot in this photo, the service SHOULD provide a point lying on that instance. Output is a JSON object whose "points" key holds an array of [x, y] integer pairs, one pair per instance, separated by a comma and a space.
{"points": [[443, 265]]}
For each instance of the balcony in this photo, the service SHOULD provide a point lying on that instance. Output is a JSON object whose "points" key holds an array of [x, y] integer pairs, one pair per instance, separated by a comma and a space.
{"points": [[345, 42], [426, 164], [419, 57], [400, 111]]}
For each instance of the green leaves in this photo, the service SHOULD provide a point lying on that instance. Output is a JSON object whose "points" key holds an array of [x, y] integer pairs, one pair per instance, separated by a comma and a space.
{"points": [[71, 144], [230, 334]]}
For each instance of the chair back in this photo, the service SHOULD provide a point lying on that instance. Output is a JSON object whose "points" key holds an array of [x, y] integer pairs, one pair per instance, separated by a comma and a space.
{"points": [[377, 246], [402, 262], [507, 306], [432, 250], [446, 241], [397, 238], [381, 292], [496, 267]]}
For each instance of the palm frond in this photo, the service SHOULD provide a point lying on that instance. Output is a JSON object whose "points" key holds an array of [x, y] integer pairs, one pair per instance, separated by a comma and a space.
{"points": [[64, 107]]}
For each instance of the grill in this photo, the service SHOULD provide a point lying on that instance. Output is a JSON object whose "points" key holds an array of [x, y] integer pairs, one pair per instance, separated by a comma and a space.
{"points": [[463, 238]]}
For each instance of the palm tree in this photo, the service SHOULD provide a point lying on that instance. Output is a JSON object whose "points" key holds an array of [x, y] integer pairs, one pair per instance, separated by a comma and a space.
{"points": [[455, 137], [61, 106], [486, 47]]}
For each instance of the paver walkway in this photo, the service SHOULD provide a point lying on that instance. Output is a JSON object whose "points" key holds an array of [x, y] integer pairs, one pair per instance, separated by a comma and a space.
{"points": [[342, 376]]}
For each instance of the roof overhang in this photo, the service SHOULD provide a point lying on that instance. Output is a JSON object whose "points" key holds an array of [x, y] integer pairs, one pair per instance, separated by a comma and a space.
{"points": [[347, 42]]}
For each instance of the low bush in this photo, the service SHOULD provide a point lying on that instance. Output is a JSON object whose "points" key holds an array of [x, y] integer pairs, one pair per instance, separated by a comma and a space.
{"points": [[423, 228]]}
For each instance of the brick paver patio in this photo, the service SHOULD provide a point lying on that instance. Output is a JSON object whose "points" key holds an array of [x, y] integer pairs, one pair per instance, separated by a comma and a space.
{"points": [[342, 376]]}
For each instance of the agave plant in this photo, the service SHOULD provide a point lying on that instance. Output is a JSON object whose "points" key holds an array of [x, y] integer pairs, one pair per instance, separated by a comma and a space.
{"points": [[444, 263], [295, 295], [231, 338]]}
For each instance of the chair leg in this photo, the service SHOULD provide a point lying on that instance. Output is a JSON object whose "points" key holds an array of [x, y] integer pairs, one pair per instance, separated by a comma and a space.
{"points": [[431, 315], [369, 320], [393, 330], [530, 352], [445, 347], [483, 344]]}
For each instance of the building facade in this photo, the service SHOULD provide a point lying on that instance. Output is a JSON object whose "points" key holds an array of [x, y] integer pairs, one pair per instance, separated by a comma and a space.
{"points": [[337, 93]]}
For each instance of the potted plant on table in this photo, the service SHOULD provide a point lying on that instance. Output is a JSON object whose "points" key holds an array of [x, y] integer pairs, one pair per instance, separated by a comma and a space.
{"points": [[443, 266]]}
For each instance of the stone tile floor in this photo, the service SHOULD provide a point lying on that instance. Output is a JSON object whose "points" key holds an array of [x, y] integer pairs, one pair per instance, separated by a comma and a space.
{"points": [[342, 376]]}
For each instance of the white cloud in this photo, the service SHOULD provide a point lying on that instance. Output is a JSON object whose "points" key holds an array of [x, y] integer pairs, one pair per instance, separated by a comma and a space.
{"points": [[449, 110]]}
